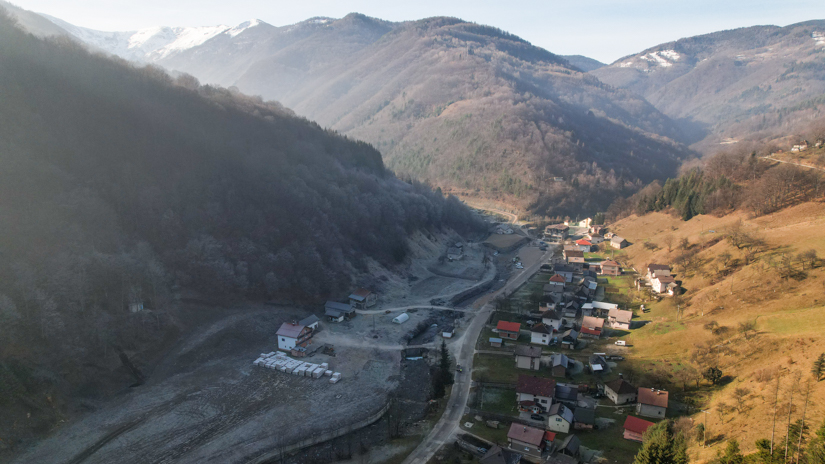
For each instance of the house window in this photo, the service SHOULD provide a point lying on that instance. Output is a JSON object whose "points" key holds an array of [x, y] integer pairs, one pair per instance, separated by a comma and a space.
{"points": [[283, 339], [558, 419], [543, 401]]}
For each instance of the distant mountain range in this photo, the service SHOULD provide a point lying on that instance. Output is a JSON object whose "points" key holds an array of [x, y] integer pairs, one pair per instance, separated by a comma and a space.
{"points": [[749, 83], [480, 111], [466, 107]]}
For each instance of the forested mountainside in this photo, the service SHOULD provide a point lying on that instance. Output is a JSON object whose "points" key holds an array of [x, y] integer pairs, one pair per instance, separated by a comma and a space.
{"points": [[462, 106], [744, 84], [122, 185], [583, 62]]}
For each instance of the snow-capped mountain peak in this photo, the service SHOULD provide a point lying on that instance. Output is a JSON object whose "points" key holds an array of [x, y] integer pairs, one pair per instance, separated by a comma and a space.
{"points": [[154, 43]]}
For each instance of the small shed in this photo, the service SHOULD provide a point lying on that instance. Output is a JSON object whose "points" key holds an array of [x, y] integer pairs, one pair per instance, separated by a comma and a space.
{"points": [[401, 318], [496, 342]]}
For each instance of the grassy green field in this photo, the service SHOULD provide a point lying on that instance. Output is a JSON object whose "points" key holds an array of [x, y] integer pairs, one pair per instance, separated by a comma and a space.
{"points": [[501, 369], [497, 436], [499, 401], [610, 440]]}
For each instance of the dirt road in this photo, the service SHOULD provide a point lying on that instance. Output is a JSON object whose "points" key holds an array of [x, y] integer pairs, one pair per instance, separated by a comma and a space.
{"points": [[792, 162], [446, 427]]}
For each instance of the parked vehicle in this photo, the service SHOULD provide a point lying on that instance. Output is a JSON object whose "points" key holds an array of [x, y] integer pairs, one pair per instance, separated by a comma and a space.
{"points": [[536, 417], [621, 342]]}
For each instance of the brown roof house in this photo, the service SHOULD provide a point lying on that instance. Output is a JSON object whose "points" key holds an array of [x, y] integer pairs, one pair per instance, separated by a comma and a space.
{"points": [[618, 242], [294, 336], [619, 319], [651, 403], [525, 439], [528, 357], [362, 298], [535, 393], [610, 268], [620, 391], [653, 269], [592, 327], [664, 284], [541, 334], [574, 256]]}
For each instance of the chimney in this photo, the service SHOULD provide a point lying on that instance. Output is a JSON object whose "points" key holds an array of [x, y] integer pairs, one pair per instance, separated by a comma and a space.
{"points": [[621, 376]]}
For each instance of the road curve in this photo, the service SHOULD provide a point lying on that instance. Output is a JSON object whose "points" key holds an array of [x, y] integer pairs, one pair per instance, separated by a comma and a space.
{"points": [[794, 163], [446, 427]]}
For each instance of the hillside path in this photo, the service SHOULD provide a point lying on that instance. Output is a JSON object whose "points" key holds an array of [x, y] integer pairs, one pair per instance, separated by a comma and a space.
{"points": [[791, 162]]}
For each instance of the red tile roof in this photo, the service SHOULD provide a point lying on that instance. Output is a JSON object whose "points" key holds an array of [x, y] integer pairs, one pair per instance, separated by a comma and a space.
{"points": [[587, 331], [583, 242], [526, 434], [653, 397], [536, 386], [290, 330], [550, 436], [508, 326], [636, 425], [557, 278], [610, 262]]}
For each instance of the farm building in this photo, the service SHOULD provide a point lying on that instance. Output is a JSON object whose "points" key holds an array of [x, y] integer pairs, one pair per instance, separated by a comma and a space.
{"points": [[338, 312], [401, 318], [362, 299]]}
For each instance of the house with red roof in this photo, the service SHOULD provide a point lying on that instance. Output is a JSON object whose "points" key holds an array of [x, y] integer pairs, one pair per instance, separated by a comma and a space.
{"points": [[509, 330], [634, 428], [591, 327], [526, 439], [651, 403]]}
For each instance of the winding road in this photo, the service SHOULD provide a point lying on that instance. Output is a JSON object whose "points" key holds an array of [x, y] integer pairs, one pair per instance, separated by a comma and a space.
{"points": [[792, 162], [463, 350]]}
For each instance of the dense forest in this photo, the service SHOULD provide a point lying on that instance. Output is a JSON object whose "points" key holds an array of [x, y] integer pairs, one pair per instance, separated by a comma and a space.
{"points": [[122, 185]]}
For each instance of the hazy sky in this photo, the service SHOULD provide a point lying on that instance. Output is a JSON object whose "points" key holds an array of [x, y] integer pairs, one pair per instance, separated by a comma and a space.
{"points": [[601, 29]]}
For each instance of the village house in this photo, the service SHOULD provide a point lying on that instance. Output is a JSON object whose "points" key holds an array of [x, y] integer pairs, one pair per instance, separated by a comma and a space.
{"points": [[594, 239], [610, 267], [584, 245], [448, 331], [541, 334], [598, 365], [598, 229], [566, 393], [454, 253], [570, 446], [559, 418], [554, 286], [310, 321], [651, 403], [618, 242], [800, 146], [528, 357], [525, 439], [620, 391], [508, 330], [584, 418], [574, 256], [338, 312], [558, 231], [653, 269], [499, 455], [535, 393], [634, 428], [592, 327], [569, 339], [565, 271], [559, 364], [619, 319], [663, 284], [292, 335], [551, 318], [362, 299], [601, 308]]}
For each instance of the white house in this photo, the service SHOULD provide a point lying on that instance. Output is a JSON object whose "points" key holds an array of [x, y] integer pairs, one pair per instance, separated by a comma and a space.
{"points": [[620, 391], [559, 418], [619, 319], [362, 298], [292, 335], [541, 334], [551, 318], [535, 393], [662, 283]]}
